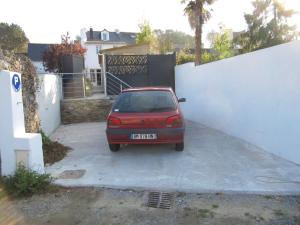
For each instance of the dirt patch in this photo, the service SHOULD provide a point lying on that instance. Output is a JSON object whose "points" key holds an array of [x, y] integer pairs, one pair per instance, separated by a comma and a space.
{"points": [[54, 151], [112, 207]]}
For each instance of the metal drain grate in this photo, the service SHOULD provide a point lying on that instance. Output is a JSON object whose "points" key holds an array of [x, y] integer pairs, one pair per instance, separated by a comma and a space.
{"points": [[71, 174], [161, 200]]}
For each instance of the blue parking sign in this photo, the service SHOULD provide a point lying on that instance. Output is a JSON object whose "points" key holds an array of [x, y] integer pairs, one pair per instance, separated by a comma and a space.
{"points": [[16, 82]]}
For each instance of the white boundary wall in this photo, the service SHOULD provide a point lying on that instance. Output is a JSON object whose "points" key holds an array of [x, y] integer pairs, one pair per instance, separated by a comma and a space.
{"points": [[48, 98], [255, 96]]}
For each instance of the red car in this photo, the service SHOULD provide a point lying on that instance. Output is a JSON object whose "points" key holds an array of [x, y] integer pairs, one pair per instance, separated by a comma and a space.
{"points": [[148, 115]]}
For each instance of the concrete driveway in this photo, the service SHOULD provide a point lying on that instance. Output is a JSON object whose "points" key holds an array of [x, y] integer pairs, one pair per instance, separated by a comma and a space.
{"points": [[211, 162]]}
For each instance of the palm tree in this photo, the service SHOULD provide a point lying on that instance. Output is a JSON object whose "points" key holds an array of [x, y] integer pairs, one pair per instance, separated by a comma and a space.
{"points": [[197, 15]]}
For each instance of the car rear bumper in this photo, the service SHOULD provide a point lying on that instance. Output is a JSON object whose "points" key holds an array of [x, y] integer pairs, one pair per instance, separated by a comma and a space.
{"points": [[164, 135]]}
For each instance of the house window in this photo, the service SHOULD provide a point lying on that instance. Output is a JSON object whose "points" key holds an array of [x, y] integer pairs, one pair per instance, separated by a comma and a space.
{"points": [[98, 49], [104, 36]]}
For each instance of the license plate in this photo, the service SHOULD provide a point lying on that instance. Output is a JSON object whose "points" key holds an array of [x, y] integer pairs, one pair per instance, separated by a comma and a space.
{"points": [[143, 136]]}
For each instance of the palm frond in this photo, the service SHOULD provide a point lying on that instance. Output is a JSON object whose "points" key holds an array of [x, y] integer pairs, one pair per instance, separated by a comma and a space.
{"points": [[189, 11]]}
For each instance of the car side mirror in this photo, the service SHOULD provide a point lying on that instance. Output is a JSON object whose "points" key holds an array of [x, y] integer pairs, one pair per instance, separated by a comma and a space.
{"points": [[182, 100]]}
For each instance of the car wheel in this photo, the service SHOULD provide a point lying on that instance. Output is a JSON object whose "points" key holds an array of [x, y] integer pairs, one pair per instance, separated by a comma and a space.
{"points": [[179, 146], [114, 147]]}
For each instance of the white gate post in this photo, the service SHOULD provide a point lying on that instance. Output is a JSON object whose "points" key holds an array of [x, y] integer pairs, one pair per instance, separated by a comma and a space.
{"points": [[16, 146], [104, 74]]}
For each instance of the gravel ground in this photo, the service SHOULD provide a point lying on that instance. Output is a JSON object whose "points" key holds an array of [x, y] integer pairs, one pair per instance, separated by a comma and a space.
{"points": [[112, 207]]}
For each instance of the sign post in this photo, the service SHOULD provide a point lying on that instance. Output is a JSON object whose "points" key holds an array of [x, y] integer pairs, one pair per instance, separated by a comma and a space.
{"points": [[16, 146]]}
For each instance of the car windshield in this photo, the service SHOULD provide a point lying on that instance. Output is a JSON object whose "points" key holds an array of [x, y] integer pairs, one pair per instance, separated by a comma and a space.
{"points": [[144, 101]]}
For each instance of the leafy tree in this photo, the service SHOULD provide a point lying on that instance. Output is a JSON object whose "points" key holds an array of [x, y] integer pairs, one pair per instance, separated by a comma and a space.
{"points": [[52, 58], [164, 41], [146, 34], [13, 38], [170, 40], [267, 26], [222, 46], [197, 15]]}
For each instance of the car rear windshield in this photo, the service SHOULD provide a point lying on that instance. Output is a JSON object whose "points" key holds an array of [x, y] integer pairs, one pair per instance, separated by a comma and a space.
{"points": [[144, 101]]}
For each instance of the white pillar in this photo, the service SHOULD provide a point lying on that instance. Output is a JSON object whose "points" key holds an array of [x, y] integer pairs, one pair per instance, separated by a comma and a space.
{"points": [[104, 74], [16, 146]]}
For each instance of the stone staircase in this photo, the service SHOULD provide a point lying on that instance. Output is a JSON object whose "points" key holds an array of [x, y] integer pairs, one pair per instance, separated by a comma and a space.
{"points": [[98, 89]]}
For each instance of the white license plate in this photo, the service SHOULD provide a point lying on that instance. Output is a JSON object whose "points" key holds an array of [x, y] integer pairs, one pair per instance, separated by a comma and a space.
{"points": [[143, 136]]}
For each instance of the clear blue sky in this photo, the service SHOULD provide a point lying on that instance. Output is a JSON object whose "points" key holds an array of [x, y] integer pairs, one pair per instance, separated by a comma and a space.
{"points": [[45, 20]]}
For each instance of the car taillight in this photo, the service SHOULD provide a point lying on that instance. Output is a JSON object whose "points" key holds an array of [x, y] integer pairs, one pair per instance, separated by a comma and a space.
{"points": [[113, 122], [174, 121]]}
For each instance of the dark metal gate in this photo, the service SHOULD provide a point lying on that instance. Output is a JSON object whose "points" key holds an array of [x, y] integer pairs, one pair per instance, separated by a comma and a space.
{"points": [[141, 70]]}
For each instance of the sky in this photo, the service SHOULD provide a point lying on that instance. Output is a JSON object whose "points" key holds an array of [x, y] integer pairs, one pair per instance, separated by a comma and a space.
{"points": [[44, 21]]}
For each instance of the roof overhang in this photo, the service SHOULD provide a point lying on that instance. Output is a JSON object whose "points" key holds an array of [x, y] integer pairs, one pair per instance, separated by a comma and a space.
{"points": [[123, 47]]}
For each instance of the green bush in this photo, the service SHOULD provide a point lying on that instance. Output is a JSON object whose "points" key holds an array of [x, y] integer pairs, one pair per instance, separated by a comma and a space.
{"points": [[207, 57], [88, 87], [182, 57], [45, 138], [26, 182]]}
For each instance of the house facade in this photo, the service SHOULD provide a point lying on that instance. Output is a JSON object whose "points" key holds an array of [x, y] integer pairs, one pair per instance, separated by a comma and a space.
{"points": [[94, 42]]}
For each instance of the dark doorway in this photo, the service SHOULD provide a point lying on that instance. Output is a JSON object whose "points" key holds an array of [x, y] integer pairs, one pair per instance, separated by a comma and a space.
{"points": [[99, 78]]}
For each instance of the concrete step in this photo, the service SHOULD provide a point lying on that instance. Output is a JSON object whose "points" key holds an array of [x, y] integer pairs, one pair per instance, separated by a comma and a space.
{"points": [[98, 89], [98, 92]]}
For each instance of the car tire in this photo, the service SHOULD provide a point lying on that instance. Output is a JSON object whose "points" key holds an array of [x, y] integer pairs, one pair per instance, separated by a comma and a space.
{"points": [[179, 146], [114, 147]]}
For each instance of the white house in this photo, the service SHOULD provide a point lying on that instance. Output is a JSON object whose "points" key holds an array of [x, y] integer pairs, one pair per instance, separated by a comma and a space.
{"points": [[94, 42]]}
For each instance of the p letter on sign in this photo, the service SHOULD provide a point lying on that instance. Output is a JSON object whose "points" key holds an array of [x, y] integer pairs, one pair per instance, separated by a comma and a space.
{"points": [[16, 82]]}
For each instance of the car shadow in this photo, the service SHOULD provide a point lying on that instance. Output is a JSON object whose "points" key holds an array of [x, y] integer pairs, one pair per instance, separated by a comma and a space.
{"points": [[146, 149]]}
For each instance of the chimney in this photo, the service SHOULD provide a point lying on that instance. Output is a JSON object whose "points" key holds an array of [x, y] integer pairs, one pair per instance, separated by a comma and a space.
{"points": [[91, 33]]}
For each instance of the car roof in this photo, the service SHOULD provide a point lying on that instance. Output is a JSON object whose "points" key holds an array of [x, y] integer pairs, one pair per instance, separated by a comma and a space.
{"points": [[148, 89]]}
